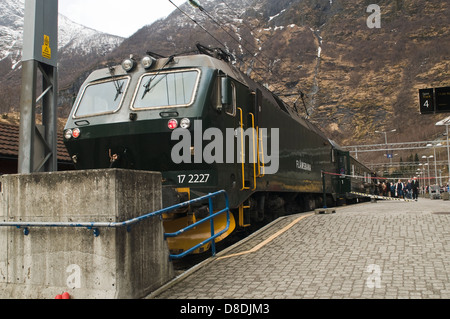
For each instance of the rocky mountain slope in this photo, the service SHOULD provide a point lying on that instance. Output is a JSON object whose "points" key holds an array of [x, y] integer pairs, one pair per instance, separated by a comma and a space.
{"points": [[356, 79]]}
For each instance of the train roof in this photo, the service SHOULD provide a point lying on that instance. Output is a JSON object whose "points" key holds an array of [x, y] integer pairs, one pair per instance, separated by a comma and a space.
{"points": [[232, 71], [336, 145], [226, 67]]}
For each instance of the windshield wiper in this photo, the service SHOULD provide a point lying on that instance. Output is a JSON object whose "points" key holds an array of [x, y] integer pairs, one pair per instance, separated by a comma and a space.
{"points": [[147, 84], [147, 87], [119, 86], [118, 90]]}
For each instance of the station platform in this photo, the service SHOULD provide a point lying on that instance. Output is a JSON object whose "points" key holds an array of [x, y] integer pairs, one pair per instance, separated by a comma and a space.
{"points": [[374, 250]]}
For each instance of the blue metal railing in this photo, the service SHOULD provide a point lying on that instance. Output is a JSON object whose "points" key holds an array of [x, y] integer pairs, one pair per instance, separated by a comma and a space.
{"points": [[96, 225], [211, 219]]}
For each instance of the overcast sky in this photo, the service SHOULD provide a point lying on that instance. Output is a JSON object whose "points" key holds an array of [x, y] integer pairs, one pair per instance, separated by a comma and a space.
{"points": [[116, 17]]}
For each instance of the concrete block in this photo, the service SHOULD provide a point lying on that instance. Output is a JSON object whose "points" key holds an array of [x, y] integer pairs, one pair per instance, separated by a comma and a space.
{"points": [[325, 210], [119, 263]]}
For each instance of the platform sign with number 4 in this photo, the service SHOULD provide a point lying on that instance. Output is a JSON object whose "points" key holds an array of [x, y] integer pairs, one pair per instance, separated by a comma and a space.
{"points": [[426, 97]]}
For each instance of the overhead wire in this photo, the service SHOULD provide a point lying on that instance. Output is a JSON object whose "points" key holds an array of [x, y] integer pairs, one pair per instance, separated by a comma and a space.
{"points": [[220, 25], [209, 33], [248, 27], [189, 17], [237, 15], [301, 94]]}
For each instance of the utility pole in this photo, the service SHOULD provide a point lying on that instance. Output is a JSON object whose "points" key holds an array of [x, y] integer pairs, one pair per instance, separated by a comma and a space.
{"points": [[37, 143], [446, 122], [388, 155]]}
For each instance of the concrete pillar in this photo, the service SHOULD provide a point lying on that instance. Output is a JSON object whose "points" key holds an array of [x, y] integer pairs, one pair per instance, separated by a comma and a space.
{"points": [[119, 263]]}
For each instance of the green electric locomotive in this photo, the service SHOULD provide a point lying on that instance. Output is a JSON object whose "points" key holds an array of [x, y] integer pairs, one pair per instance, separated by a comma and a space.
{"points": [[206, 126]]}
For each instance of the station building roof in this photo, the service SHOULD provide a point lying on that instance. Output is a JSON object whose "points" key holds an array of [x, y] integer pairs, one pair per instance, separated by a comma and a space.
{"points": [[9, 145]]}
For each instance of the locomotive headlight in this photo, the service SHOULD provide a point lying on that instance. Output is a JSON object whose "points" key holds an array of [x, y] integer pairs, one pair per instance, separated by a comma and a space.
{"points": [[68, 134], [185, 123], [173, 124], [128, 64], [147, 62], [75, 133]]}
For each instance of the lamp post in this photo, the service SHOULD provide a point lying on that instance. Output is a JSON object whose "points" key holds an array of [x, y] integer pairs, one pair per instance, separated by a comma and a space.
{"points": [[418, 175], [423, 172], [428, 165], [434, 151], [422, 176], [446, 122]]}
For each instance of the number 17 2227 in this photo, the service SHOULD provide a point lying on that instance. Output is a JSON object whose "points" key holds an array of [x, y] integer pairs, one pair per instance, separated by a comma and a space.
{"points": [[193, 178]]}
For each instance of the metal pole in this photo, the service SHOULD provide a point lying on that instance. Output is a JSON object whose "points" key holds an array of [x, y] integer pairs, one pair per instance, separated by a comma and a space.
{"points": [[446, 122], [324, 191], [38, 143], [213, 240], [386, 143], [387, 148], [448, 156], [27, 117], [435, 168]]}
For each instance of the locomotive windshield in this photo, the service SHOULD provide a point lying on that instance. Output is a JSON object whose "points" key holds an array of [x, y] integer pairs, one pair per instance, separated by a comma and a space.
{"points": [[166, 89], [102, 97]]}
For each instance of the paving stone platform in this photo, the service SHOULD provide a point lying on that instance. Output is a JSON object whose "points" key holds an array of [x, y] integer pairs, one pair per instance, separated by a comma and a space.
{"points": [[376, 250]]}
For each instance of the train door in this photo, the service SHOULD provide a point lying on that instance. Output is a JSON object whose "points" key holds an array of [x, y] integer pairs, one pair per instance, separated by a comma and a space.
{"points": [[245, 106], [250, 139], [258, 106], [246, 139], [343, 182], [235, 105]]}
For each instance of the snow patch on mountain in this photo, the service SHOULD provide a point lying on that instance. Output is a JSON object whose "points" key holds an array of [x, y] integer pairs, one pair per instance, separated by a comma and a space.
{"points": [[74, 37]]}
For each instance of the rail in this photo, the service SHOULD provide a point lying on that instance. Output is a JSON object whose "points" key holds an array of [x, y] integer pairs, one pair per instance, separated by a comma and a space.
{"points": [[95, 226], [242, 150], [254, 142]]}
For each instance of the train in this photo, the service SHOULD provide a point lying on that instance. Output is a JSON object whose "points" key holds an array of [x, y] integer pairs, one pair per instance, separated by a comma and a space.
{"points": [[207, 126]]}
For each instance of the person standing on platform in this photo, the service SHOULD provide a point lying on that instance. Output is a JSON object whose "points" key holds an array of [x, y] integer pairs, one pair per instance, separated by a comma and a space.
{"points": [[385, 189], [399, 188], [408, 189], [415, 188]]}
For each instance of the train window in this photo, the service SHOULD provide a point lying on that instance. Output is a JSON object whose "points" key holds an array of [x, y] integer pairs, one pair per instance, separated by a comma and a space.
{"points": [[231, 108], [102, 97], [166, 89]]}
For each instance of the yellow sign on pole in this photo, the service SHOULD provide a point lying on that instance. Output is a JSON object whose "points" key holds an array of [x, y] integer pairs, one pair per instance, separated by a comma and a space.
{"points": [[46, 51]]}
